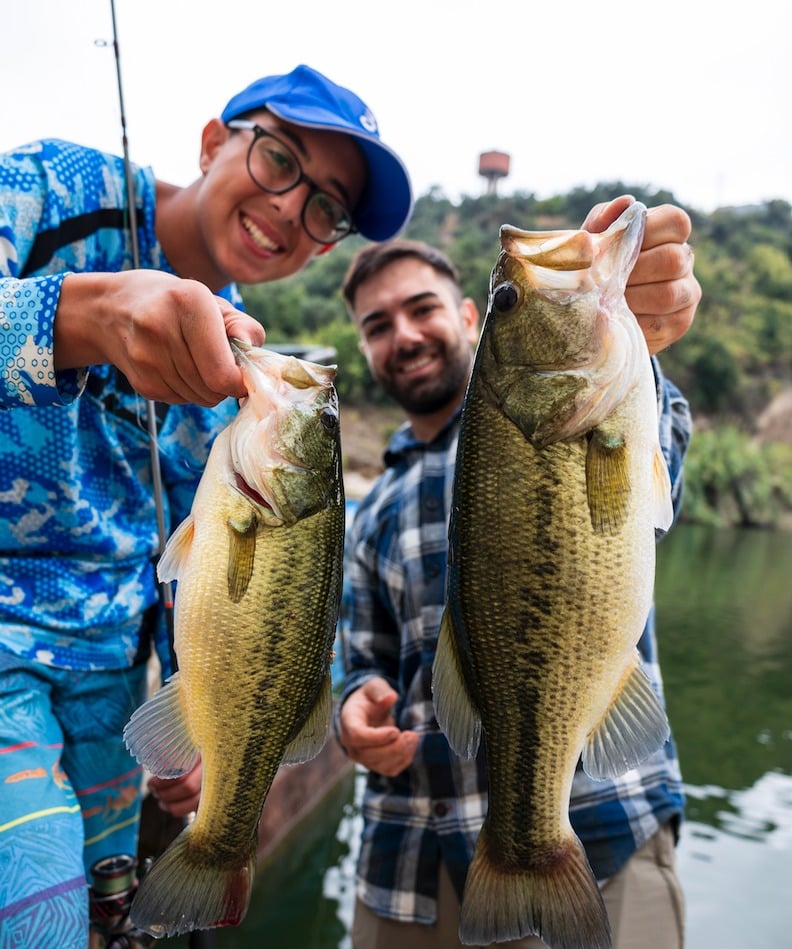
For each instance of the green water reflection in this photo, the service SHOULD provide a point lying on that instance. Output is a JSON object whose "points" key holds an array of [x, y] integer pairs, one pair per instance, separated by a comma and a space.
{"points": [[724, 601], [724, 615]]}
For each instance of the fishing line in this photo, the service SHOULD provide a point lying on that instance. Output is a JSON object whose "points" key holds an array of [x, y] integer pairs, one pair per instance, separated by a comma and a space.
{"points": [[151, 407]]}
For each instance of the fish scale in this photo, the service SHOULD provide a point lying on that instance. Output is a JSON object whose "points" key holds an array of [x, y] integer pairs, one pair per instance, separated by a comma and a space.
{"points": [[259, 570], [559, 486]]}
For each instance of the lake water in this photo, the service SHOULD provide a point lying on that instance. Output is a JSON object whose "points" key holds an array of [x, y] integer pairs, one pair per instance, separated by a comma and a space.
{"points": [[724, 602]]}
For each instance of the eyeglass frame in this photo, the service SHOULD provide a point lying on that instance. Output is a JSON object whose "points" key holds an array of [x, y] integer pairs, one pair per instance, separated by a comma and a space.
{"points": [[313, 188]]}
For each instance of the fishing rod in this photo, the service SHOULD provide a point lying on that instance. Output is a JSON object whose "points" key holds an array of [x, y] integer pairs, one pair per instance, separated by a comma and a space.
{"points": [[198, 939], [151, 407]]}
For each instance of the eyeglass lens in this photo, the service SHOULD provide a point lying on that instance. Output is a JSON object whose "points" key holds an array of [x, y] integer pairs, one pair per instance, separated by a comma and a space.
{"points": [[275, 168]]}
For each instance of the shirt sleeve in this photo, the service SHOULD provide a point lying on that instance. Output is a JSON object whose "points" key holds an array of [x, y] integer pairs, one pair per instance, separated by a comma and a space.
{"points": [[186, 438], [27, 305], [675, 430], [369, 633]]}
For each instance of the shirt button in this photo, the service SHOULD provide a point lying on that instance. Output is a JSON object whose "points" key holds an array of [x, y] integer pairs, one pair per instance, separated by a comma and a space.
{"points": [[441, 809]]}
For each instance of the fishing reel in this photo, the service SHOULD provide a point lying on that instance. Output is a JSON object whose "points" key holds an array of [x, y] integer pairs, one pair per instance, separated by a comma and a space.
{"points": [[110, 896]]}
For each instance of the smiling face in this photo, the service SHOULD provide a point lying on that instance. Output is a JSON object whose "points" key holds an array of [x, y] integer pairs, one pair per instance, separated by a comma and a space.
{"points": [[416, 333], [250, 235]]}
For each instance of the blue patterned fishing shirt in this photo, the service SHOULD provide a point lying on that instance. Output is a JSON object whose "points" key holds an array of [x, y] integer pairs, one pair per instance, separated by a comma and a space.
{"points": [[78, 524], [396, 577]]}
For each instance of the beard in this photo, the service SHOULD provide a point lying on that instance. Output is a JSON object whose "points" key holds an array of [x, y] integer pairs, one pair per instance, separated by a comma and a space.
{"points": [[427, 396]]}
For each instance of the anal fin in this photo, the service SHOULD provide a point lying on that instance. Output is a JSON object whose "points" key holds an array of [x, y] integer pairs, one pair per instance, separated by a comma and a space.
{"points": [[454, 708], [634, 727], [311, 738]]}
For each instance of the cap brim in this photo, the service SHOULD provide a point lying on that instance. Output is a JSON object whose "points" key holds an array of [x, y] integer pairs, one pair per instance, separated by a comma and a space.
{"points": [[386, 204]]}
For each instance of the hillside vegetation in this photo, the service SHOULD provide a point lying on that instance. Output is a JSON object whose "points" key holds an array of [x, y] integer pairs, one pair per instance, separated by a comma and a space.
{"points": [[734, 365]]}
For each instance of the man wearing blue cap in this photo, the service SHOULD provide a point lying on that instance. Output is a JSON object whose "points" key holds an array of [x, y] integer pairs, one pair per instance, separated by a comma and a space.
{"points": [[293, 164]]}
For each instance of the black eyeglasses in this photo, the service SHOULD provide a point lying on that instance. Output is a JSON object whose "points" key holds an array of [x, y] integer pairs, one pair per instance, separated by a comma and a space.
{"points": [[275, 168]]}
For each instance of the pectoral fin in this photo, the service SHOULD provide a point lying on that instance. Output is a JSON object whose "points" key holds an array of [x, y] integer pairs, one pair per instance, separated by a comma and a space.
{"points": [[176, 551], [661, 493], [157, 735], [312, 736], [634, 727], [607, 481], [241, 555], [456, 713]]}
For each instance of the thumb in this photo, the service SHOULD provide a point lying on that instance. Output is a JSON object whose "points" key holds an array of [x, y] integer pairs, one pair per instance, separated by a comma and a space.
{"points": [[239, 325], [379, 692]]}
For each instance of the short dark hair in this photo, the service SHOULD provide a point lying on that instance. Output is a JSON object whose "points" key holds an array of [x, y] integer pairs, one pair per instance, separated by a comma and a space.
{"points": [[375, 257]]}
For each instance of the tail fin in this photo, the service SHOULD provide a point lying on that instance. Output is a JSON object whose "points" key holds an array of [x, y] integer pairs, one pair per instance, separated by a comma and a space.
{"points": [[560, 902], [181, 894]]}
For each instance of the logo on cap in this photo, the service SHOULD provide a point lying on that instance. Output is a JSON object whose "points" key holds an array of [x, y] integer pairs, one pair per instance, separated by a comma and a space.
{"points": [[368, 122]]}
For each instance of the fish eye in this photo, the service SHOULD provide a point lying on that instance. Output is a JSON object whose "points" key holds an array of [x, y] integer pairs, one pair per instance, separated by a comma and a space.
{"points": [[329, 419], [505, 297]]}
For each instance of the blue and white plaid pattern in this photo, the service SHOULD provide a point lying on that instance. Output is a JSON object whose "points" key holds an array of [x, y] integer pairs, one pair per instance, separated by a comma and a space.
{"points": [[396, 574]]}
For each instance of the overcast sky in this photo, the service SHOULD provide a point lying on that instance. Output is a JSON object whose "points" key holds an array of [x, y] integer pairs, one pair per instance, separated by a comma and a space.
{"points": [[684, 95]]}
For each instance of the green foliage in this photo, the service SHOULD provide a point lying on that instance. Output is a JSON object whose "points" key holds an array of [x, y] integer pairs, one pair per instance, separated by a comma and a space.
{"points": [[354, 382], [736, 356], [732, 481], [739, 349]]}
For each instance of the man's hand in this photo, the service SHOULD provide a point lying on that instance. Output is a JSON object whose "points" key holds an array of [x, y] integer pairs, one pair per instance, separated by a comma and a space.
{"points": [[369, 733], [177, 796], [662, 291], [168, 336]]}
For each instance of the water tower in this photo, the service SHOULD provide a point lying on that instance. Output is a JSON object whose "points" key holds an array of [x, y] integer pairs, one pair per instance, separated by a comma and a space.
{"points": [[492, 166]]}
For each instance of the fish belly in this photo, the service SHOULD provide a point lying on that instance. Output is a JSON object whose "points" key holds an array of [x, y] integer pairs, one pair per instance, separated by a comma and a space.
{"points": [[251, 675], [251, 683]]}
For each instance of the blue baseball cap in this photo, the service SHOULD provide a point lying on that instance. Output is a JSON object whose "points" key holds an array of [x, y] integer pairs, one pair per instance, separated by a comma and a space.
{"points": [[306, 97]]}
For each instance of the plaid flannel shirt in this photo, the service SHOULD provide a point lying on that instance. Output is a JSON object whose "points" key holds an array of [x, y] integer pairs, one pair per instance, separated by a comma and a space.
{"points": [[396, 576]]}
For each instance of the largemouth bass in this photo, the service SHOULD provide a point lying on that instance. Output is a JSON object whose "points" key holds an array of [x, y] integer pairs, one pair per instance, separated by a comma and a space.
{"points": [[559, 486], [258, 564]]}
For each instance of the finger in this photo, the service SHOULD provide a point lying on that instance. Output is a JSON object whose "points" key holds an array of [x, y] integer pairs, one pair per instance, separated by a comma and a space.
{"points": [[667, 261], [665, 298], [365, 737], [602, 215], [157, 389], [666, 224], [179, 382], [363, 726], [392, 760], [171, 790], [661, 332], [180, 808], [239, 325], [378, 690], [166, 372], [205, 362], [206, 366]]}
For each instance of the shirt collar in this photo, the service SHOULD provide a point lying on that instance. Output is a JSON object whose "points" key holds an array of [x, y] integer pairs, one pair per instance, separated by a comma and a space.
{"points": [[403, 440]]}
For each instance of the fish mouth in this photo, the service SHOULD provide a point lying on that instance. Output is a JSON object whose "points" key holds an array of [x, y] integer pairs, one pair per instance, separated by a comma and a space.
{"points": [[257, 236]]}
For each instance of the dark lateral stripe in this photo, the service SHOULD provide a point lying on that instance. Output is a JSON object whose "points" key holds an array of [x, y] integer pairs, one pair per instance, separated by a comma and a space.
{"points": [[71, 230]]}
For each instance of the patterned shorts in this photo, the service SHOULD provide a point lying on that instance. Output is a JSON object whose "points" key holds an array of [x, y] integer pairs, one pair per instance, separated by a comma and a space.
{"points": [[69, 794]]}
